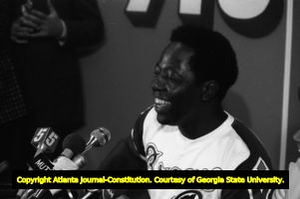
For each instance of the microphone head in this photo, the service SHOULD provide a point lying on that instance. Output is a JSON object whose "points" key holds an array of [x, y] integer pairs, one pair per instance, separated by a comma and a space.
{"points": [[41, 193], [102, 135], [74, 142]]}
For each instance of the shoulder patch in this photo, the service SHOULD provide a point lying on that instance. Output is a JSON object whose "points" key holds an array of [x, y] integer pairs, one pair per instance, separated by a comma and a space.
{"points": [[260, 165]]}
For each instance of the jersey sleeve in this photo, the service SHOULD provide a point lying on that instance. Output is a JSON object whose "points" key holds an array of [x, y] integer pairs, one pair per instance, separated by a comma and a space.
{"points": [[246, 193], [258, 159]]}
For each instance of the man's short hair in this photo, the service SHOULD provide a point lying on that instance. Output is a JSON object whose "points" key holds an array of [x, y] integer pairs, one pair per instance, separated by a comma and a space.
{"points": [[214, 57]]}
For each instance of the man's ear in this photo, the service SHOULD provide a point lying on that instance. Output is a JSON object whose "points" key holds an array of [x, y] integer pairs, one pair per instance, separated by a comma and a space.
{"points": [[209, 90]]}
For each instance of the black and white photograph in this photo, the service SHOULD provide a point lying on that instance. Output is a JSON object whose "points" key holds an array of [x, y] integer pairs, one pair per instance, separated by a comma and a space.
{"points": [[149, 85]]}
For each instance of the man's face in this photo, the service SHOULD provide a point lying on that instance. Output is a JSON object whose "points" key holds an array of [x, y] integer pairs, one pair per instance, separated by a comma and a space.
{"points": [[173, 85]]}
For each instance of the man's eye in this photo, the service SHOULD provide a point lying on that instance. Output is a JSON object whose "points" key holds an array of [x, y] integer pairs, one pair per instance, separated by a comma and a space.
{"points": [[173, 77], [156, 70]]}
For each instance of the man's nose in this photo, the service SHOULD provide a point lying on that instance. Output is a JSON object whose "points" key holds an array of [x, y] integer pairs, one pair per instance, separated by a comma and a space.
{"points": [[158, 83]]}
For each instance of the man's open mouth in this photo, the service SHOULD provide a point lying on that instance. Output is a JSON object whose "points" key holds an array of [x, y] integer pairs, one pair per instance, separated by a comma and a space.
{"points": [[161, 104]]}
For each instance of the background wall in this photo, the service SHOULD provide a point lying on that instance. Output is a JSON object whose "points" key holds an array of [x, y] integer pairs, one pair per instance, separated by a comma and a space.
{"points": [[117, 77], [294, 106]]}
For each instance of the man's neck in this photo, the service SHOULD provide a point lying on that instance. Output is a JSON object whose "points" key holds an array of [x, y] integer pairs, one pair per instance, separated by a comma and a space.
{"points": [[202, 121]]}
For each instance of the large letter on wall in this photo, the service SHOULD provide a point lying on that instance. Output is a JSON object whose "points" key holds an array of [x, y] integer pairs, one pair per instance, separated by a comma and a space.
{"points": [[197, 12], [252, 18], [143, 12]]}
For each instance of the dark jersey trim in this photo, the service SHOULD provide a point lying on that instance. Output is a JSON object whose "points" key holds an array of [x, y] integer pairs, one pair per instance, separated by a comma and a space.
{"points": [[137, 133], [257, 150]]}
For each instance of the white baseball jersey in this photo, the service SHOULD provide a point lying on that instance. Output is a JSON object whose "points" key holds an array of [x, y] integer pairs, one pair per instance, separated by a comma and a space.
{"points": [[231, 146]]}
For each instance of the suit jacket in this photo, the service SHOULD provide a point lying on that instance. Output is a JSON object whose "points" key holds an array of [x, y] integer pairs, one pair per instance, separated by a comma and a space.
{"points": [[49, 73], [11, 101]]}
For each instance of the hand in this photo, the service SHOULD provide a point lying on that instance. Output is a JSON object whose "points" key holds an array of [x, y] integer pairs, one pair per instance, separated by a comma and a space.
{"points": [[63, 163], [20, 33], [45, 25]]}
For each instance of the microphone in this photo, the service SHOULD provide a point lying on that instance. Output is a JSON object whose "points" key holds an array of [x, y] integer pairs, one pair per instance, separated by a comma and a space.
{"points": [[44, 140], [41, 193], [98, 138], [62, 163], [72, 144], [90, 193]]}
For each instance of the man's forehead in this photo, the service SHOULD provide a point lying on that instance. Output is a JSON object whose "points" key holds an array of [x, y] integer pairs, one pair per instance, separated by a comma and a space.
{"points": [[177, 51], [178, 46]]}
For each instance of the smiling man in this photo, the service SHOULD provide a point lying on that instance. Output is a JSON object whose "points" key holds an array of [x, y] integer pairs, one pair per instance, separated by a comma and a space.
{"points": [[187, 127]]}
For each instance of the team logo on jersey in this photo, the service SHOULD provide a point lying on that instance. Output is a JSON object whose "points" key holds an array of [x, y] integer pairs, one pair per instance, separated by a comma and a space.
{"points": [[190, 194], [162, 167], [260, 165], [152, 155]]}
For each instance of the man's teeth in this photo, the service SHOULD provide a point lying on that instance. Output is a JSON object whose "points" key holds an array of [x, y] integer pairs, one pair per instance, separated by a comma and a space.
{"points": [[161, 102]]}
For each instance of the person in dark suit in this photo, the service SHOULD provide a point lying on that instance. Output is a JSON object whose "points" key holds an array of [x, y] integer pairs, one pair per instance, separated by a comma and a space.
{"points": [[47, 36], [12, 106]]}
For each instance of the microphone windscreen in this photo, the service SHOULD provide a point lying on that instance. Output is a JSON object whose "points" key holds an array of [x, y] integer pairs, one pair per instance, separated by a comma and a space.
{"points": [[74, 142]]}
